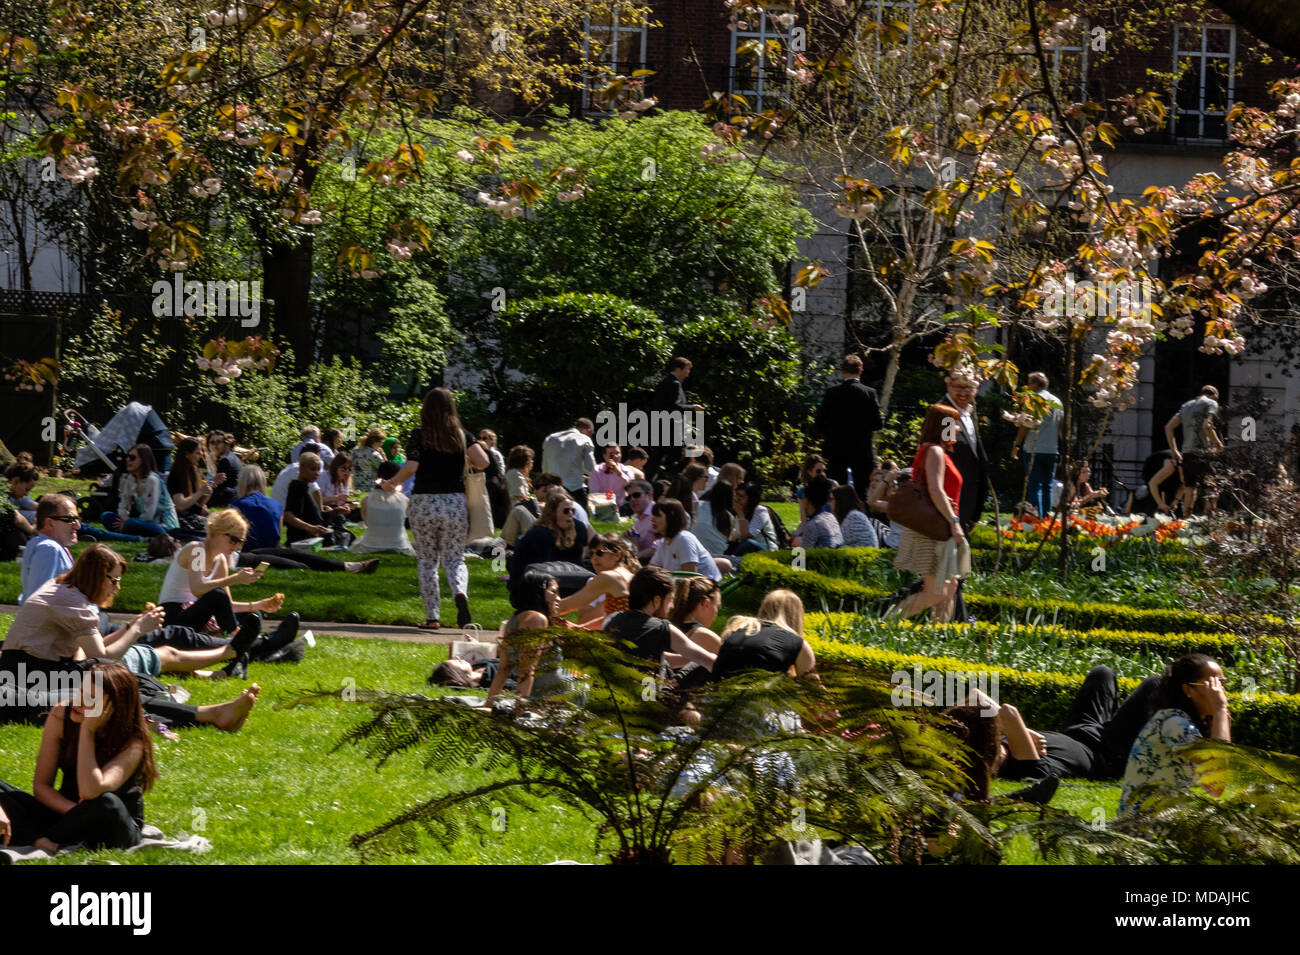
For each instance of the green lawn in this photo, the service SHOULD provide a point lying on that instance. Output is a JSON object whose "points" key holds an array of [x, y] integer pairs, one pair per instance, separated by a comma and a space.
{"points": [[275, 793]]}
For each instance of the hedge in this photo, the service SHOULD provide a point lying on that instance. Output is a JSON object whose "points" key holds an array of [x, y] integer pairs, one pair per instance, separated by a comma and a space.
{"points": [[1120, 641], [763, 572], [1269, 721]]}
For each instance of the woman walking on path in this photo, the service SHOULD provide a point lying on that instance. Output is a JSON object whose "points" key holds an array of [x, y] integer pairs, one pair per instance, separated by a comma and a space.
{"points": [[439, 454]]}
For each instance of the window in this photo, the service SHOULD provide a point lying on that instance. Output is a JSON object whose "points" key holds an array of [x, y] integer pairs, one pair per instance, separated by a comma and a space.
{"points": [[1069, 65], [758, 72], [617, 44], [1204, 77], [892, 11]]}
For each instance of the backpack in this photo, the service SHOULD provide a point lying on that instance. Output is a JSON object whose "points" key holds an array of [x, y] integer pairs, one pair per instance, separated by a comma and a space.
{"points": [[782, 535]]}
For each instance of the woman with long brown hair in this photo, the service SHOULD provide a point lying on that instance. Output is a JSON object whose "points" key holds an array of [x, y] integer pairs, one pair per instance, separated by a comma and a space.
{"points": [[102, 745], [941, 563], [141, 489], [439, 453]]}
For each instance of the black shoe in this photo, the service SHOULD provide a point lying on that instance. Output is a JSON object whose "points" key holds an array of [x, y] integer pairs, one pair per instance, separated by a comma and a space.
{"points": [[291, 653], [463, 617], [237, 669], [284, 635], [243, 641], [1039, 793]]}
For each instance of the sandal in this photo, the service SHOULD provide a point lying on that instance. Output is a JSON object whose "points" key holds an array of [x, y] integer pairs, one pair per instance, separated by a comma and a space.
{"points": [[430, 625]]}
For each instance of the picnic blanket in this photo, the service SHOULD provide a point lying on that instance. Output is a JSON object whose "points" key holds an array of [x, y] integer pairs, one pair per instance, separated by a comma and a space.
{"points": [[151, 838]]}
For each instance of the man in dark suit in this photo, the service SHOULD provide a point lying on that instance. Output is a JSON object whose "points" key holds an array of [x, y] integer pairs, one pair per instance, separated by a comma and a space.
{"points": [[968, 454], [669, 395], [847, 421]]}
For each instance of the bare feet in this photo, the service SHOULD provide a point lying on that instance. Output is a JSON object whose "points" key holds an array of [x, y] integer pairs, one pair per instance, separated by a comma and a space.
{"points": [[230, 716]]}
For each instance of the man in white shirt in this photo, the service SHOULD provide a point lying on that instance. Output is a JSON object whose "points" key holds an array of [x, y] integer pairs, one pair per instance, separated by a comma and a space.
{"points": [[310, 435], [280, 490], [572, 455]]}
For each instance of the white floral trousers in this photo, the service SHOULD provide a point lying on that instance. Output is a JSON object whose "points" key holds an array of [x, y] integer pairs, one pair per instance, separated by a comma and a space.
{"points": [[440, 522]]}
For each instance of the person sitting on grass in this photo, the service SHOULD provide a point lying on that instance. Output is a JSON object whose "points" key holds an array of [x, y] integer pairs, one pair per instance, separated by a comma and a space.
{"points": [[224, 464], [22, 478], [190, 494], [606, 593], [856, 527], [814, 466], [680, 549], [536, 668], [479, 674], [519, 465], [264, 517], [611, 476], [1079, 493], [366, 460], [1189, 704], [557, 536], [102, 746], [696, 604], [636, 460], [305, 516], [772, 640], [337, 491], [57, 629], [688, 486], [384, 513], [819, 528], [641, 535], [47, 555], [645, 628], [714, 521], [142, 492], [753, 529]]}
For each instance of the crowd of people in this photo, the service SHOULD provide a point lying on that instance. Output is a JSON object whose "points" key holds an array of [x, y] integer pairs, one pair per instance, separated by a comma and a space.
{"points": [[446, 492]]}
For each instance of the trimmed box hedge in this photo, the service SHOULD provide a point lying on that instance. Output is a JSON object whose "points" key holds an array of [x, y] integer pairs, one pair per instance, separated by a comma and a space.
{"points": [[765, 572], [1268, 721], [1120, 641]]}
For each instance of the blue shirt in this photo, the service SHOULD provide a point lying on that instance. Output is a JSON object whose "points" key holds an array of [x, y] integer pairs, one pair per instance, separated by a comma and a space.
{"points": [[263, 516], [43, 560]]}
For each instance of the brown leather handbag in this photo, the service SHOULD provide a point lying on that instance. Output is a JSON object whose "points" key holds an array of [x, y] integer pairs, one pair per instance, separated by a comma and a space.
{"points": [[910, 505]]}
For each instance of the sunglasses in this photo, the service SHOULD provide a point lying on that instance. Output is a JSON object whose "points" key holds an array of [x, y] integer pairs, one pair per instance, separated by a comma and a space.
{"points": [[66, 520], [636, 494], [566, 510], [133, 457], [116, 580], [236, 540]]}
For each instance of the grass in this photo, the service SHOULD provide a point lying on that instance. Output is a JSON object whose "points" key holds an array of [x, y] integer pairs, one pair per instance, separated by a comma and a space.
{"points": [[275, 793]]}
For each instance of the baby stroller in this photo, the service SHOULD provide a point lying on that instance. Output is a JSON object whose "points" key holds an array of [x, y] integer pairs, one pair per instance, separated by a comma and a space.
{"points": [[104, 451]]}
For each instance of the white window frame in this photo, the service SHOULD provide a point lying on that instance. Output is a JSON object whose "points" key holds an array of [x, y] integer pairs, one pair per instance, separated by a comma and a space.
{"points": [[1205, 57], [767, 30], [618, 34], [1082, 50]]}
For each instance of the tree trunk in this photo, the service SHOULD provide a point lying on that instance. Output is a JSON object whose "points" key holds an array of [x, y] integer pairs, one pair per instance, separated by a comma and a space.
{"points": [[286, 280]]}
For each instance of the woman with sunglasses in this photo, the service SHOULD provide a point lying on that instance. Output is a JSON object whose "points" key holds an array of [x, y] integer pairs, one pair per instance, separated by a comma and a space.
{"points": [[606, 593], [57, 629], [197, 586], [142, 490], [557, 536]]}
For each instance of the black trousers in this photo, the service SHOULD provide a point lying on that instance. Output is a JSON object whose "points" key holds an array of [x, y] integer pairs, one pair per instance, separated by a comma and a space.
{"points": [[214, 605], [1097, 734], [100, 823], [287, 558], [838, 465], [153, 697]]}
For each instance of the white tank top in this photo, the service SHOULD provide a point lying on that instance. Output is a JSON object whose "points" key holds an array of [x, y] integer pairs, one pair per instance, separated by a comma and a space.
{"points": [[176, 585]]}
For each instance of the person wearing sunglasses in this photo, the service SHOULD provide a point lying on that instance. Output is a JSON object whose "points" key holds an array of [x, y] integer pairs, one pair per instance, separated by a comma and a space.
{"points": [[47, 554], [197, 586], [641, 535], [142, 490], [557, 536], [606, 593]]}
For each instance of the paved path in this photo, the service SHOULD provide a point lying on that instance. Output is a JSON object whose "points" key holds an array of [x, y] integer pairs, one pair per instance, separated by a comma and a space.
{"points": [[364, 631]]}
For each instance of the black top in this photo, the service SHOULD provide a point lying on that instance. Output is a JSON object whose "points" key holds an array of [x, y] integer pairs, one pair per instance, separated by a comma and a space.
{"points": [[849, 414], [669, 395], [300, 503], [537, 546], [441, 472], [773, 648], [131, 792], [649, 636]]}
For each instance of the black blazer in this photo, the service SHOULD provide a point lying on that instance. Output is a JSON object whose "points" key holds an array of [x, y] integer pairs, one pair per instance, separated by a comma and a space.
{"points": [[973, 464], [669, 395], [849, 415]]}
